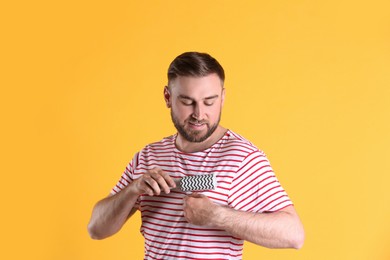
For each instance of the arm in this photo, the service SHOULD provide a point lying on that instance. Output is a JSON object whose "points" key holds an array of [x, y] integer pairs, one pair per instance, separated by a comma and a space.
{"points": [[281, 229], [111, 213]]}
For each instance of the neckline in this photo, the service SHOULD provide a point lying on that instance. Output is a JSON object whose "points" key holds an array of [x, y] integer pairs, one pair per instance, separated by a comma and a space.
{"points": [[223, 137]]}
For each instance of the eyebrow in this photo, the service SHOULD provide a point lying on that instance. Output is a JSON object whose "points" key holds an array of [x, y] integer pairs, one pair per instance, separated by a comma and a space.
{"points": [[187, 97]]}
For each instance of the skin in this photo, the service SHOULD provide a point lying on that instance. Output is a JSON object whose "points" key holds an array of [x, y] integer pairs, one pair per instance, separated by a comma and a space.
{"points": [[196, 104], [281, 229], [112, 212]]}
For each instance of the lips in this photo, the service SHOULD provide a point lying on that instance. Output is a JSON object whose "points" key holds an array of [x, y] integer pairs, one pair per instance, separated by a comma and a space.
{"points": [[197, 123]]}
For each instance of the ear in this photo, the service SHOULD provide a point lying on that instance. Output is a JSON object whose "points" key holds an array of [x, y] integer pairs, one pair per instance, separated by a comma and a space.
{"points": [[223, 96], [167, 97]]}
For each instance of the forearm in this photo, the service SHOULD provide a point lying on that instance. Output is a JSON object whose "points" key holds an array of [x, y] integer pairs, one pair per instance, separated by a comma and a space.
{"points": [[109, 214], [281, 229]]}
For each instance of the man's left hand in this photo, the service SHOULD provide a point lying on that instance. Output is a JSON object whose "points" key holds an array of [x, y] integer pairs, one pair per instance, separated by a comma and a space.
{"points": [[199, 209]]}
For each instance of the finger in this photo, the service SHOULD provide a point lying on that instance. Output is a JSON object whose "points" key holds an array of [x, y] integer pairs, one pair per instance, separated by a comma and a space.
{"points": [[164, 180], [141, 186], [168, 179], [152, 184], [196, 195], [148, 191]]}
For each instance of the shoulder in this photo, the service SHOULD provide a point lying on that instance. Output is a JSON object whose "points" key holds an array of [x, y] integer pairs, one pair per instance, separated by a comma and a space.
{"points": [[157, 150], [164, 145], [237, 142]]}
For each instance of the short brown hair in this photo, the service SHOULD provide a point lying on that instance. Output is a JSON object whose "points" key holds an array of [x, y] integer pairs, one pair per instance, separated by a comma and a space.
{"points": [[195, 64]]}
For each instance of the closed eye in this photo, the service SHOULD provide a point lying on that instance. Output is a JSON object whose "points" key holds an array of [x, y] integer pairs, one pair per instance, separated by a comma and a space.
{"points": [[186, 101], [209, 102]]}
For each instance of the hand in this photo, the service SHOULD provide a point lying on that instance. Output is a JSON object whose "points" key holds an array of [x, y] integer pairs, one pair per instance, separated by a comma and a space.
{"points": [[199, 209], [153, 182]]}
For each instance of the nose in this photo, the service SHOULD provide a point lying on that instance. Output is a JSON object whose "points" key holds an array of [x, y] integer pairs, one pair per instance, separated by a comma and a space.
{"points": [[198, 112]]}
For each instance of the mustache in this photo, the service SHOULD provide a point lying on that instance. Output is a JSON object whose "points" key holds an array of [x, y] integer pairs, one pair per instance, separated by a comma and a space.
{"points": [[194, 121]]}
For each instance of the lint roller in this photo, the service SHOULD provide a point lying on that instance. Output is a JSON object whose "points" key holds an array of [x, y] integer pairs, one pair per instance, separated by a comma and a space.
{"points": [[198, 182]]}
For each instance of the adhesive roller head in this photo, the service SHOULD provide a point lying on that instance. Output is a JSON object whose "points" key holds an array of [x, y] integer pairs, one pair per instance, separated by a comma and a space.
{"points": [[198, 182]]}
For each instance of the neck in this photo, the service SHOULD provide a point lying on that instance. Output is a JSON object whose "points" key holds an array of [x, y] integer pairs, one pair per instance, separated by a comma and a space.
{"points": [[192, 147]]}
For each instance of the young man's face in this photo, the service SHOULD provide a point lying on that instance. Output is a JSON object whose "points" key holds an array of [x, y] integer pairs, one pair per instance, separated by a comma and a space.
{"points": [[196, 104]]}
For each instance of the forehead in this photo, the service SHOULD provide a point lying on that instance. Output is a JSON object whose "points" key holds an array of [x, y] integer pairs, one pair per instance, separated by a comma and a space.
{"points": [[196, 87]]}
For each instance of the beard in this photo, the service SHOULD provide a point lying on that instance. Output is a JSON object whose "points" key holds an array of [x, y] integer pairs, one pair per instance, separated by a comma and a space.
{"points": [[193, 135]]}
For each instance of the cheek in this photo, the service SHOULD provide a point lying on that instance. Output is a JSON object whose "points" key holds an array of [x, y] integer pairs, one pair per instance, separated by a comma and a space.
{"points": [[181, 112], [214, 112]]}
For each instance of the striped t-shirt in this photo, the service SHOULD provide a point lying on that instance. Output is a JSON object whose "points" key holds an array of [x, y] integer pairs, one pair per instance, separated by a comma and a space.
{"points": [[245, 181]]}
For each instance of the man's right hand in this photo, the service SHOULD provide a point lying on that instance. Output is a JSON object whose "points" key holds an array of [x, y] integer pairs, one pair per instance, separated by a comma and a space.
{"points": [[109, 214], [153, 182]]}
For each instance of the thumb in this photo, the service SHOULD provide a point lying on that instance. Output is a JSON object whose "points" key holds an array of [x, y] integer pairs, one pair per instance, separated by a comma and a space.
{"points": [[196, 195]]}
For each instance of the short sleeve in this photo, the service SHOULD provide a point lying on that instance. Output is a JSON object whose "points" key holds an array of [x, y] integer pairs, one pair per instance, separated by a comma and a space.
{"points": [[255, 187], [127, 176]]}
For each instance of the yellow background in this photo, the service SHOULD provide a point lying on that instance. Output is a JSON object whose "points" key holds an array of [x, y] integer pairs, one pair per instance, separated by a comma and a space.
{"points": [[81, 82]]}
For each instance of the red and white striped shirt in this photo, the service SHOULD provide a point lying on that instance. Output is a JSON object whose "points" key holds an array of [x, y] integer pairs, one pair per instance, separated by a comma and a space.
{"points": [[245, 181]]}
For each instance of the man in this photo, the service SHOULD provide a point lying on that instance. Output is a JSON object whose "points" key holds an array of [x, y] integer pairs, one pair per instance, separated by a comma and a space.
{"points": [[247, 204]]}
